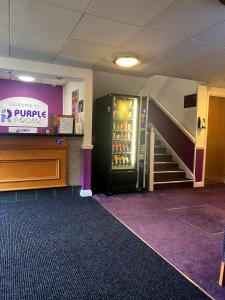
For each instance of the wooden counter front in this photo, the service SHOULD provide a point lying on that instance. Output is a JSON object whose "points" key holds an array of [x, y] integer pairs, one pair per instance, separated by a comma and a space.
{"points": [[28, 162]]}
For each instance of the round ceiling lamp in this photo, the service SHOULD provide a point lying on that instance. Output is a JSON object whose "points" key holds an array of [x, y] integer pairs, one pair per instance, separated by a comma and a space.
{"points": [[127, 60]]}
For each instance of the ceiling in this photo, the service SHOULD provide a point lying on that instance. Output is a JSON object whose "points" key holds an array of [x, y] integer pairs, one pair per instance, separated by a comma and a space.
{"points": [[180, 38], [39, 78]]}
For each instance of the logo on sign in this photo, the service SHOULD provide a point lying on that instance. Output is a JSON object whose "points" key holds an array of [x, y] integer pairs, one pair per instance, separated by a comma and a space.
{"points": [[6, 115], [23, 111]]}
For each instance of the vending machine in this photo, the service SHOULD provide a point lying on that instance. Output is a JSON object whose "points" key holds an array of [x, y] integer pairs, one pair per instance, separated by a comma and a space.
{"points": [[116, 149]]}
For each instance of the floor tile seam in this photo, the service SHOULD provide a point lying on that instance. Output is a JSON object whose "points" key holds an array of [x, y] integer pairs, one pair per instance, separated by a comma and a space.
{"points": [[183, 207], [217, 206], [220, 232], [206, 234]]}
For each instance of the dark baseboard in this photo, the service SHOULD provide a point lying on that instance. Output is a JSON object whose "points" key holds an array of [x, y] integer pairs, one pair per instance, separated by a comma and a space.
{"points": [[68, 191]]}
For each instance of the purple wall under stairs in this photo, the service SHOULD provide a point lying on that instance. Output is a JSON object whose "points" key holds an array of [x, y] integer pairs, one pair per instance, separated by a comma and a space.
{"points": [[178, 141]]}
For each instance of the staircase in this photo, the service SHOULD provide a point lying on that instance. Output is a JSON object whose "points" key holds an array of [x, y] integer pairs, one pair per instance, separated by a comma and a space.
{"points": [[167, 173]]}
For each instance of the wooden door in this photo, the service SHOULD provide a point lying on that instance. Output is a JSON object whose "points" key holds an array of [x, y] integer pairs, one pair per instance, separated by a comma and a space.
{"points": [[215, 152]]}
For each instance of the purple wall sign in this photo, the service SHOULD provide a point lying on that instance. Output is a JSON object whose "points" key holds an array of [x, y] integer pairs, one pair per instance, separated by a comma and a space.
{"points": [[52, 96], [174, 136], [199, 164]]}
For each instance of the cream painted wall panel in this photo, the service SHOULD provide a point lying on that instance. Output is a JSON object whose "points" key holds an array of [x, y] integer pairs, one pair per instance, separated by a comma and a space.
{"points": [[74, 161], [170, 93], [67, 95], [74, 144], [202, 111], [67, 98]]}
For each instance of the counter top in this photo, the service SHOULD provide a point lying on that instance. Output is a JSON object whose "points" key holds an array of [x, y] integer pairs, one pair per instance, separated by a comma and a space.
{"points": [[39, 134]]}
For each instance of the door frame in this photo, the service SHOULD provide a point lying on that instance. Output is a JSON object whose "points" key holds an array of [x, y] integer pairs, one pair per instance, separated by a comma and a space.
{"points": [[202, 137]]}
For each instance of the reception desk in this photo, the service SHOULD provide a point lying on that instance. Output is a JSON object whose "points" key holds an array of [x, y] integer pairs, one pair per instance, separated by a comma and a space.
{"points": [[28, 162]]}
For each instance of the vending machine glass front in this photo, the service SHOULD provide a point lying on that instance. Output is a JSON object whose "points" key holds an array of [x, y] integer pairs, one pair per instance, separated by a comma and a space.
{"points": [[124, 133]]}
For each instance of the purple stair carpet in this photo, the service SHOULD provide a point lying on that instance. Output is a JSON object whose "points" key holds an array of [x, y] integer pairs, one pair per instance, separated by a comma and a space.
{"points": [[183, 225]]}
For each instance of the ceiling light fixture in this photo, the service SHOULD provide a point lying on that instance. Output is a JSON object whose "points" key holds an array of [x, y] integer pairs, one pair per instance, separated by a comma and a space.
{"points": [[26, 78], [127, 60]]}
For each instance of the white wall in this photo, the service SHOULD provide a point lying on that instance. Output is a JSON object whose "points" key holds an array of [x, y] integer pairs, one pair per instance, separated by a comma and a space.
{"points": [[67, 98], [170, 93], [105, 83]]}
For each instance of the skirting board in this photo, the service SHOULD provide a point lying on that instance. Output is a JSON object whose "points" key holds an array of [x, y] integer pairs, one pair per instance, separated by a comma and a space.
{"points": [[85, 193], [199, 184]]}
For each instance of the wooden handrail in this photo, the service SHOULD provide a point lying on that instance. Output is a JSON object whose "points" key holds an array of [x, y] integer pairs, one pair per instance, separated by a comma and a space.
{"points": [[172, 118]]}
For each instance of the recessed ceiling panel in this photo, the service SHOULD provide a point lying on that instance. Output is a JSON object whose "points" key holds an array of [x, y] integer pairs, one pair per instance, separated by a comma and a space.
{"points": [[192, 50], [215, 35], [29, 54], [4, 27], [188, 17], [38, 42], [35, 16], [4, 50], [99, 30], [152, 41], [195, 70], [136, 12], [67, 60], [215, 59], [87, 50], [79, 5]]}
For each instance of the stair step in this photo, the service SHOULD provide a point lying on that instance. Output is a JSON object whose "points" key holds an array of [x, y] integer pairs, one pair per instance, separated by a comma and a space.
{"points": [[169, 171], [162, 157], [173, 184], [173, 181], [166, 166], [159, 149], [169, 175]]}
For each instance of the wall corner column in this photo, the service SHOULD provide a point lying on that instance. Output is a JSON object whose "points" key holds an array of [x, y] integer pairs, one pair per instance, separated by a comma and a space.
{"points": [[87, 140], [86, 171]]}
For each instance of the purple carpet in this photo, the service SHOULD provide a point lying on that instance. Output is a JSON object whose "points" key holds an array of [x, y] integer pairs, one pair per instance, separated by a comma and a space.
{"points": [[207, 218], [184, 225]]}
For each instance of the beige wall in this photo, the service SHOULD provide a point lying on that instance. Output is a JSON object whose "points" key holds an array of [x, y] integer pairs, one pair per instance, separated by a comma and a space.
{"points": [[74, 144], [106, 83], [74, 161], [67, 99]]}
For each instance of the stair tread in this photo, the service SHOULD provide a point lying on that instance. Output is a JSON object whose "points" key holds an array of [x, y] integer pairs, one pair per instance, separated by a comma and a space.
{"points": [[173, 181], [166, 162], [170, 171], [158, 146]]}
